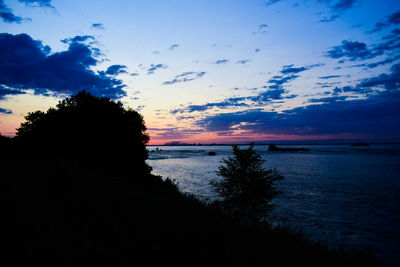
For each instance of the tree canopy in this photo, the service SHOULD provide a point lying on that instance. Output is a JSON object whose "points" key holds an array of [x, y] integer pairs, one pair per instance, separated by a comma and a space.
{"points": [[246, 188], [92, 130]]}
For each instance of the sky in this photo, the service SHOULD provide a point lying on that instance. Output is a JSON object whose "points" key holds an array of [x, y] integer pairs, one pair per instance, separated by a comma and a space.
{"points": [[211, 71]]}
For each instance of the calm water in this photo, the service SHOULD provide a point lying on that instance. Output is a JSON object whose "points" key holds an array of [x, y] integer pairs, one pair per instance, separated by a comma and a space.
{"points": [[343, 195]]}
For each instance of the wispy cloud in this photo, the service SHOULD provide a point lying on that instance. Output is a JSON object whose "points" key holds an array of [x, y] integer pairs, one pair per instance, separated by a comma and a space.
{"points": [[172, 47], [262, 28], [393, 19], [5, 111], [243, 61], [330, 77], [329, 19], [98, 26], [344, 4], [185, 77], [154, 67], [221, 61]]}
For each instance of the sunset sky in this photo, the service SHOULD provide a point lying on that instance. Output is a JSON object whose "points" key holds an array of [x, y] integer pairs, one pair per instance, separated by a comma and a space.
{"points": [[211, 71]]}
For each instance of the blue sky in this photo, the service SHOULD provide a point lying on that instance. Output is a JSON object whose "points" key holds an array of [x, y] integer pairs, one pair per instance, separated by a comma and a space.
{"points": [[211, 71]]}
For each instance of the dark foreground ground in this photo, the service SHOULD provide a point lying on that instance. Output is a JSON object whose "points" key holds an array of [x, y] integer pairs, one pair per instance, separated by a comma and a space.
{"points": [[59, 212]]}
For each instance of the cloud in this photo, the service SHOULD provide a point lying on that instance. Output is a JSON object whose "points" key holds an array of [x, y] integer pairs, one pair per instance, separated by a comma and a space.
{"points": [[344, 4], [154, 67], [243, 61], [262, 28], [329, 19], [6, 91], [6, 14], [227, 103], [173, 133], [290, 69], [378, 116], [393, 19], [327, 99], [28, 64], [98, 26], [185, 77], [172, 47], [387, 81], [375, 115], [78, 39], [280, 80], [221, 61], [271, 2], [5, 111], [330, 77], [352, 50], [116, 69], [37, 3]]}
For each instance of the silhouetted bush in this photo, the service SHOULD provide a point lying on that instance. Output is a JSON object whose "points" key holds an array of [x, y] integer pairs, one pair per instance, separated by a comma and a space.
{"points": [[246, 187], [94, 131]]}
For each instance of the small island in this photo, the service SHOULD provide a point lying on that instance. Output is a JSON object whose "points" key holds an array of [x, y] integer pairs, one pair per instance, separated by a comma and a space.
{"points": [[275, 148]]}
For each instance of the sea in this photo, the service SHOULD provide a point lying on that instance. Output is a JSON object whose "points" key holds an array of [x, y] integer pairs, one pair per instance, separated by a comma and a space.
{"points": [[343, 195]]}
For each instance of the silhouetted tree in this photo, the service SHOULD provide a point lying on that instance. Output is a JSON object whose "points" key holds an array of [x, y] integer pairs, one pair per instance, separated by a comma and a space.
{"points": [[246, 188], [95, 131]]}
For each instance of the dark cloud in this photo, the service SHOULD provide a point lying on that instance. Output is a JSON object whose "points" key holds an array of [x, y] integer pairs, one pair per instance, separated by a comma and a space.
{"points": [[243, 61], [5, 111], [327, 99], [393, 19], [329, 19], [6, 91], [280, 80], [172, 47], [352, 50], [227, 103], [116, 69], [98, 26], [6, 14], [78, 39], [344, 4], [378, 116], [28, 64], [154, 67], [389, 46], [330, 77], [387, 81], [185, 77], [290, 69], [270, 95], [221, 61]]}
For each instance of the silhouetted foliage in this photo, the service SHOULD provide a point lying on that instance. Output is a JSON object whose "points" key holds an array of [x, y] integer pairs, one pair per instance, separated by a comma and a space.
{"points": [[246, 187], [95, 131]]}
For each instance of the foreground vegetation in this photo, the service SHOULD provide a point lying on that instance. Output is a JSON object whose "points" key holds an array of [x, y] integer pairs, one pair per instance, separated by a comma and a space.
{"points": [[76, 198]]}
